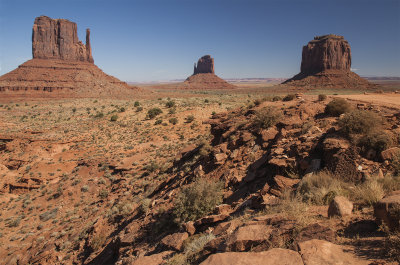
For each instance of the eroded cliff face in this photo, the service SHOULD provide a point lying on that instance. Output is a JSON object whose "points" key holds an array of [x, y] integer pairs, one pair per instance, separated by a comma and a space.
{"points": [[58, 39], [328, 52], [205, 65]]}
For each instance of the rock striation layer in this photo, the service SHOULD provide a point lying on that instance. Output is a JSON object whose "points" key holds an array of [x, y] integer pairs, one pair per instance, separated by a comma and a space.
{"points": [[62, 64], [58, 39], [204, 76], [205, 65], [326, 62]]}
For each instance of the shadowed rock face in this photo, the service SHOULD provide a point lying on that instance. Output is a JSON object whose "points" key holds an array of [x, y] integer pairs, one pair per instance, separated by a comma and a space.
{"points": [[326, 53], [58, 39], [205, 65]]}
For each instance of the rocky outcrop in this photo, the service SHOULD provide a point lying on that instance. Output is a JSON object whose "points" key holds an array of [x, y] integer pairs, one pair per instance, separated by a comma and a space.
{"points": [[205, 65], [325, 53], [326, 62], [58, 39], [318, 252], [387, 210], [276, 256], [340, 206]]}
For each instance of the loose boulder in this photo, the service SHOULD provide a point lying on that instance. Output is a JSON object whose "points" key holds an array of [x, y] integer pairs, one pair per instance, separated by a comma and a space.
{"points": [[387, 210], [340, 206]]}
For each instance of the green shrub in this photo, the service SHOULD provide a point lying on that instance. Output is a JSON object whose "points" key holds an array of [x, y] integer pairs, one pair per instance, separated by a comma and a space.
{"points": [[267, 117], [189, 119], [139, 109], [359, 122], [122, 109], [197, 200], [289, 97], [322, 97], [173, 121], [170, 104], [157, 122], [276, 98], [377, 141], [153, 112], [99, 115], [337, 106], [103, 194], [136, 104], [114, 118]]}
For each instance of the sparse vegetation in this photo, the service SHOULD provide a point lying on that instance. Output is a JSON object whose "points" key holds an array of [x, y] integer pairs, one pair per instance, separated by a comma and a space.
{"points": [[322, 97], [153, 112], [114, 118], [197, 200], [266, 117], [359, 122], [289, 97], [337, 106]]}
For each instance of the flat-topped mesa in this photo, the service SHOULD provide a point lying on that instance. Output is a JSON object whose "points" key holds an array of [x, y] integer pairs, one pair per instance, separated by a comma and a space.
{"points": [[327, 52], [58, 39], [205, 65]]}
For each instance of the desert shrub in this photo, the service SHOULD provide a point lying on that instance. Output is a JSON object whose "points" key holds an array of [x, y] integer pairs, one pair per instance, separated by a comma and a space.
{"points": [[392, 245], [122, 109], [74, 110], [85, 188], [139, 109], [136, 104], [99, 115], [48, 215], [122, 209], [396, 163], [170, 104], [337, 106], [321, 188], [157, 122], [173, 121], [103, 194], [153, 112], [276, 98], [289, 97], [306, 126], [267, 117], [197, 200], [204, 148], [192, 248], [322, 97], [13, 221], [145, 205], [114, 118], [390, 183], [377, 141], [172, 110], [369, 192], [359, 122], [189, 118], [258, 101]]}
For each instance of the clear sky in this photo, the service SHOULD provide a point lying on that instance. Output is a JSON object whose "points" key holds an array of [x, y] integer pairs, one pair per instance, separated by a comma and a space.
{"points": [[149, 40]]}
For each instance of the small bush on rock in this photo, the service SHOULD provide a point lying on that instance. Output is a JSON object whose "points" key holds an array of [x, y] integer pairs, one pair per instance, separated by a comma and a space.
{"points": [[197, 200], [377, 141], [267, 117], [153, 112], [289, 97], [359, 122], [337, 106]]}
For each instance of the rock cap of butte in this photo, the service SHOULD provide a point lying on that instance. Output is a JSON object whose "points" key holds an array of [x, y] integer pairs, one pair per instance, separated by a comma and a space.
{"points": [[58, 39], [205, 65]]}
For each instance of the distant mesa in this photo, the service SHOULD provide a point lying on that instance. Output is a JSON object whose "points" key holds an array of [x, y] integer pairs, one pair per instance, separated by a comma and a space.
{"points": [[204, 77], [326, 62], [61, 63]]}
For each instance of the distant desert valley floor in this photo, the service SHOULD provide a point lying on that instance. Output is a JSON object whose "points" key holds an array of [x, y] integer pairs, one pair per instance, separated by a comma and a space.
{"points": [[180, 176]]}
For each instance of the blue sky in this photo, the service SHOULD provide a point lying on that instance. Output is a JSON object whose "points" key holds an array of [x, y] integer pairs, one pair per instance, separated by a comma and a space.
{"points": [[149, 40]]}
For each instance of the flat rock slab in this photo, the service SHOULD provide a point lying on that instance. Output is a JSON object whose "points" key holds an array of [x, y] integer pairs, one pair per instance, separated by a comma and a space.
{"points": [[317, 252], [276, 256], [175, 241]]}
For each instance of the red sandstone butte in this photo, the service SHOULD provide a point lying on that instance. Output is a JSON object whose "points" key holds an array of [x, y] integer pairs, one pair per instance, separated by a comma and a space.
{"points": [[326, 62]]}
